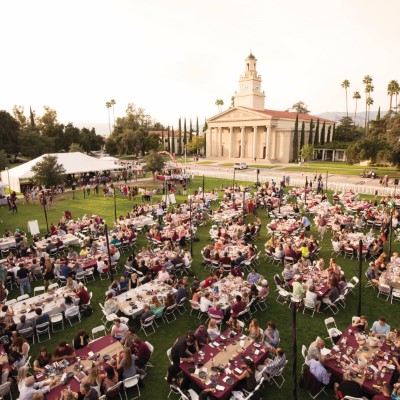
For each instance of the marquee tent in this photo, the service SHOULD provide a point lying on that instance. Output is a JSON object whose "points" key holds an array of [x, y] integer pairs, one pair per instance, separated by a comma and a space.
{"points": [[73, 163]]}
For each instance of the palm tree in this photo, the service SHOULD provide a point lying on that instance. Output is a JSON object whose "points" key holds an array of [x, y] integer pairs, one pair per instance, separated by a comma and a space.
{"points": [[369, 102], [345, 86], [219, 103], [356, 97], [396, 91], [113, 103], [108, 105], [367, 81]]}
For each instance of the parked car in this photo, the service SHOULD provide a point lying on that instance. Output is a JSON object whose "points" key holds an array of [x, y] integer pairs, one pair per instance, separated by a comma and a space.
{"points": [[240, 165]]}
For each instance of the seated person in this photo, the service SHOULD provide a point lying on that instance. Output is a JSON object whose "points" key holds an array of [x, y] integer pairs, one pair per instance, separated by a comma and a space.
{"points": [[43, 359], [348, 387], [319, 371], [110, 305], [41, 317], [312, 296], [360, 323], [119, 329], [380, 327], [148, 312], [81, 339], [274, 365], [201, 335], [142, 352], [271, 335], [63, 352], [82, 293]]}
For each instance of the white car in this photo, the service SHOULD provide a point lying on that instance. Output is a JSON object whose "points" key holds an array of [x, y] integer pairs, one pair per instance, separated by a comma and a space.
{"points": [[240, 165]]}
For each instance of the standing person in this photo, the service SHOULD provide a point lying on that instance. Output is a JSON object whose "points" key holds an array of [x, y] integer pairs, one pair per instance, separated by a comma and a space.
{"points": [[23, 277], [160, 213], [306, 223]]}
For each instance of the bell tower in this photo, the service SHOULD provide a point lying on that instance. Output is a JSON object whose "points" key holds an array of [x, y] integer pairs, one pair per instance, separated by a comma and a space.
{"points": [[250, 94]]}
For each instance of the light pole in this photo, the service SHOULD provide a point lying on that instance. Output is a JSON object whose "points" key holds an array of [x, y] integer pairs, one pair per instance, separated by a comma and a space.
{"points": [[190, 225], [109, 253], [360, 246], [115, 206], [203, 190], [305, 192], [392, 205], [45, 212]]}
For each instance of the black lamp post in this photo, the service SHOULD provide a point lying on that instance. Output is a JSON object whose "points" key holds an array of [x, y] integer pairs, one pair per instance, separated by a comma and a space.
{"points": [[305, 192], [109, 253], [294, 351], [45, 212], [326, 182], [360, 246], [190, 225], [115, 206], [392, 205], [203, 190]]}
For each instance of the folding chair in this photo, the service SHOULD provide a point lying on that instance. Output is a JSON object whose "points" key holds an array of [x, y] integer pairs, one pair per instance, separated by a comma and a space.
{"points": [[309, 305], [332, 329], [38, 290], [151, 348], [384, 290], [27, 333], [23, 297], [181, 306], [130, 383], [98, 329], [147, 324], [73, 312], [169, 312], [57, 319], [43, 329], [352, 283]]}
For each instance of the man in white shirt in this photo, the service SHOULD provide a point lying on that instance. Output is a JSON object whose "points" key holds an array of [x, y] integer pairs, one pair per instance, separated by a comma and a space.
{"points": [[100, 265], [205, 303], [104, 248], [119, 329], [30, 388], [312, 296], [163, 275]]}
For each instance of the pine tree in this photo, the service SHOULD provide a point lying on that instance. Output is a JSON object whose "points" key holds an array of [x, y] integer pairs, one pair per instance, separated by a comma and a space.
{"points": [[378, 116], [197, 126], [328, 138], [168, 143], [173, 140], [323, 133], [32, 117], [184, 133], [190, 130], [303, 134], [310, 136], [296, 139], [179, 138], [316, 136], [205, 127]]}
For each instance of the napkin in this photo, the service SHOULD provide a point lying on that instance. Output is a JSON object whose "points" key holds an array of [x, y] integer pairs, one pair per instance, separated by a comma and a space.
{"points": [[90, 354], [228, 371], [220, 387], [241, 343], [211, 345], [223, 337], [256, 352], [216, 344], [196, 371], [238, 370], [242, 337]]}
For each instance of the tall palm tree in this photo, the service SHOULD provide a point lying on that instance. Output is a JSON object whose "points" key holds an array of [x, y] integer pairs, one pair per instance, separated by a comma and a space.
{"points": [[113, 103], [356, 97], [108, 105], [345, 86], [396, 91], [367, 81], [219, 103], [369, 102]]}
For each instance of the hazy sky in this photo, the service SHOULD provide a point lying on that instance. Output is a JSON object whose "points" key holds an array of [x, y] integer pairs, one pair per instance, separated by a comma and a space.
{"points": [[176, 57]]}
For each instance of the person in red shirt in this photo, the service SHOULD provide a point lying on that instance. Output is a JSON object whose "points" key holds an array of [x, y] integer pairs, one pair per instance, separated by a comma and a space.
{"points": [[210, 281], [63, 352], [142, 351], [83, 294]]}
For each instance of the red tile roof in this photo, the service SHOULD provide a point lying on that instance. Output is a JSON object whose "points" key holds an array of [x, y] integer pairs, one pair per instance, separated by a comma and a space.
{"points": [[290, 115]]}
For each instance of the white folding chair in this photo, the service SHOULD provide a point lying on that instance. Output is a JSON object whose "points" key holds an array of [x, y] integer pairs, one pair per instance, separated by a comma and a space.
{"points": [[384, 290], [114, 391], [181, 306], [43, 329], [148, 323], [151, 348], [89, 275], [98, 329], [54, 286], [73, 312], [5, 390], [130, 383], [332, 329], [27, 333], [309, 305], [304, 353], [169, 355], [395, 295], [57, 319], [169, 312], [38, 290]]}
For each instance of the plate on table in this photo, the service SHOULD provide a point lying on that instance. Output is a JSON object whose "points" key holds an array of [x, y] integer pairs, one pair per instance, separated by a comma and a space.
{"points": [[257, 345], [106, 357], [202, 374], [23, 311], [229, 381], [131, 303]]}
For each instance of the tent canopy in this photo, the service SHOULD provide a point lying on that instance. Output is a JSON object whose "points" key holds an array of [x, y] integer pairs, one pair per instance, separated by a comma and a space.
{"points": [[73, 163]]}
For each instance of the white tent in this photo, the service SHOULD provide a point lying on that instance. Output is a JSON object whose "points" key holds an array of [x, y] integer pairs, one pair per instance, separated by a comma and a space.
{"points": [[108, 158], [73, 163]]}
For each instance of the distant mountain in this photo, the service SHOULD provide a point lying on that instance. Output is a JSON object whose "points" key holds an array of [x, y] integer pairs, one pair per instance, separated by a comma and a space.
{"points": [[101, 127], [360, 117]]}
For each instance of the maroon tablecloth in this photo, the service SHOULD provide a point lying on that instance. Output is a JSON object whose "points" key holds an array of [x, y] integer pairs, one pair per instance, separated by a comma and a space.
{"points": [[367, 385], [237, 361], [95, 347]]}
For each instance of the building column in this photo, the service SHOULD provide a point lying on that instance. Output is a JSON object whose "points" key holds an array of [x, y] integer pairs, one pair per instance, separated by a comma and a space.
{"points": [[254, 141], [219, 141], [230, 141], [242, 142], [333, 155], [273, 145], [323, 155], [267, 142]]}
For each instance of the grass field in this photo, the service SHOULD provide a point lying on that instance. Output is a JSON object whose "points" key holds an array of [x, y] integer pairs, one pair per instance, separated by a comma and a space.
{"points": [[341, 169], [155, 386]]}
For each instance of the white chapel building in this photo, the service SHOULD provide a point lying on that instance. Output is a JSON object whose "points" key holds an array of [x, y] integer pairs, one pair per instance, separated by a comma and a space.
{"points": [[249, 132]]}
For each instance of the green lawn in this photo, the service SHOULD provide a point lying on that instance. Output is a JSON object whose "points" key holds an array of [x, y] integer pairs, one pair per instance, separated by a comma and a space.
{"points": [[206, 162], [340, 169], [155, 386]]}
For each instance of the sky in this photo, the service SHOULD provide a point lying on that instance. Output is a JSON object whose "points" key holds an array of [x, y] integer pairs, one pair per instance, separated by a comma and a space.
{"points": [[174, 58]]}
